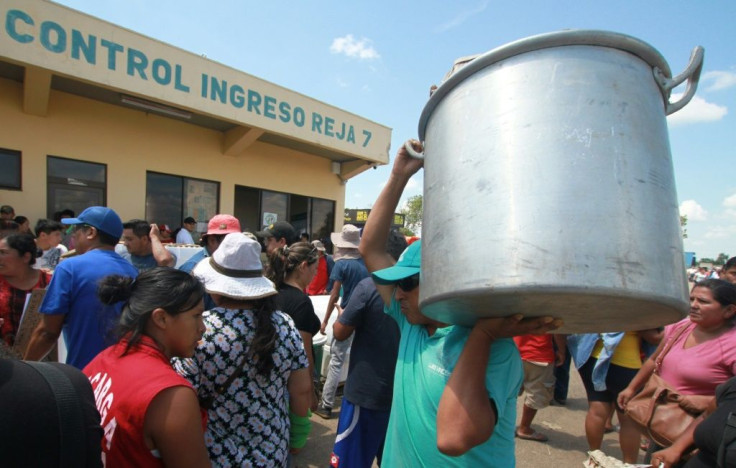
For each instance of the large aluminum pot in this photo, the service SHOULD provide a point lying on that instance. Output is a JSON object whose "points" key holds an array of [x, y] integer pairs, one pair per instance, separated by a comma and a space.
{"points": [[549, 188]]}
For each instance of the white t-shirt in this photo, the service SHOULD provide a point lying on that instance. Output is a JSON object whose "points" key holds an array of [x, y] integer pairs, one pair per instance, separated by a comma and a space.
{"points": [[50, 257], [183, 237]]}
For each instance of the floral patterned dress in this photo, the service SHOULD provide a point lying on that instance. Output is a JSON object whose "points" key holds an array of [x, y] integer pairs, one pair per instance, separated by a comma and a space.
{"points": [[249, 422]]}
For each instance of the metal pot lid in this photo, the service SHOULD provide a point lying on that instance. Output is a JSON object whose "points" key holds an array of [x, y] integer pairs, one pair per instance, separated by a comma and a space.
{"points": [[467, 66]]}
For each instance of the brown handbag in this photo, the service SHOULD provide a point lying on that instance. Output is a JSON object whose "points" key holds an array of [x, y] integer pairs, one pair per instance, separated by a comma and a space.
{"points": [[656, 408]]}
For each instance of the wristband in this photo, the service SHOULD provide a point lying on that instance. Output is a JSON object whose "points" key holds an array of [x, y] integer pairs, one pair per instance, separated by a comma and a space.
{"points": [[299, 430]]}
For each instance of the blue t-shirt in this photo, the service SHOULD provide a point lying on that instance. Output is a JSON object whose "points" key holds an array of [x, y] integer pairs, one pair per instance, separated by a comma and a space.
{"points": [[424, 366], [73, 292], [142, 262], [373, 353], [349, 272]]}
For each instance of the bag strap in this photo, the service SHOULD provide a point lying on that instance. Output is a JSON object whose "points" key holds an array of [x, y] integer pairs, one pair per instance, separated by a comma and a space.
{"points": [[668, 346], [729, 437], [72, 441]]}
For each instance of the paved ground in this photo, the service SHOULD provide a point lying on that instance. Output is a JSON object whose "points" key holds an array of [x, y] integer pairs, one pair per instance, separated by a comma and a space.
{"points": [[564, 425]]}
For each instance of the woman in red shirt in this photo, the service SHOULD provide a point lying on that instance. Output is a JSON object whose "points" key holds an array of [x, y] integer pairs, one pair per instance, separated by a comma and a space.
{"points": [[17, 278], [150, 414]]}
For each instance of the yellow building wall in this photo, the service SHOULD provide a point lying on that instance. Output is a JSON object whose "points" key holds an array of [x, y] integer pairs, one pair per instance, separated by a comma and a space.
{"points": [[132, 142]]}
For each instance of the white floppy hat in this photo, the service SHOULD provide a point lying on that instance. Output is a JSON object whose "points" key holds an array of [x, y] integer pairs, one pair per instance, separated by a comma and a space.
{"points": [[235, 270], [348, 238]]}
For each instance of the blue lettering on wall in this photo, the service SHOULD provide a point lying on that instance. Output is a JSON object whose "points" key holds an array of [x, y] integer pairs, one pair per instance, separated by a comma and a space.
{"points": [[254, 101], [89, 48], [137, 61], [237, 96], [284, 112], [316, 122], [81, 46], [219, 90], [60, 35], [205, 85], [329, 123], [299, 116], [269, 106], [178, 85], [11, 18], [112, 49], [161, 71]]}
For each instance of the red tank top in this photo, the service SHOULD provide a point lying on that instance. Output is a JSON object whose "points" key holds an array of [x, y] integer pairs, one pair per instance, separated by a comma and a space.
{"points": [[124, 386]]}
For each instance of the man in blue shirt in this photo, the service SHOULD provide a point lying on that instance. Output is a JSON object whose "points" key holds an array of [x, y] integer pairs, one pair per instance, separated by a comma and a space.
{"points": [[144, 247], [455, 388], [348, 271], [71, 305]]}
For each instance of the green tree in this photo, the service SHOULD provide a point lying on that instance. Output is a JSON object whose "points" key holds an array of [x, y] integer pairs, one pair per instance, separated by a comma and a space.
{"points": [[683, 225], [722, 258], [412, 212]]}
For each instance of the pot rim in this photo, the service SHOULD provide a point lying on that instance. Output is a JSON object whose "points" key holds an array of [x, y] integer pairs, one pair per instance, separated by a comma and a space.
{"points": [[589, 37]]}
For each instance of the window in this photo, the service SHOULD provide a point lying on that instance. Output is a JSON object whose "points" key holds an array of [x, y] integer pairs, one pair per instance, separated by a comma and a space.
{"points": [[74, 184], [170, 199], [257, 208], [10, 176]]}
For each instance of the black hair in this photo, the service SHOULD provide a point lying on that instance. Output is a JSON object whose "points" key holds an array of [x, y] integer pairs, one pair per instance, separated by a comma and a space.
{"points": [[262, 347], [189, 220], [396, 244], [8, 226], [22, 242], [7, 209], [723, 292], [105, 238], [731, 263], [48, 226], [172, 290], [284, 260], [20, 219], [140, 227]]}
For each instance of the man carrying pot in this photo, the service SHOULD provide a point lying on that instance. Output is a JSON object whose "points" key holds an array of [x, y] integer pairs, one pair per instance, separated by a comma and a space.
{"points": [[455, 388]]}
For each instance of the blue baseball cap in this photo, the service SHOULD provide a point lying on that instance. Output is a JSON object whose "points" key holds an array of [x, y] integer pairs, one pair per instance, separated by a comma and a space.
{"points": [[409, 264], [104, 219]]}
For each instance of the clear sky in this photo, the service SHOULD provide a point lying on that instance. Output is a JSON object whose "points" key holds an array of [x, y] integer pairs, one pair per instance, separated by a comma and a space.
{"points": [[378, 59]]}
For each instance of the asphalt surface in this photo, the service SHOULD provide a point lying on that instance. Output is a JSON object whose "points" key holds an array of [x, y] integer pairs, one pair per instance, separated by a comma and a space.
{"points": [[564, 425]]}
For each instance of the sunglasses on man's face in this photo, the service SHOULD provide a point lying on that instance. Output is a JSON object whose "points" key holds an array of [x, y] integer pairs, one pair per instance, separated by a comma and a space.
{"points": [[408, 284]]}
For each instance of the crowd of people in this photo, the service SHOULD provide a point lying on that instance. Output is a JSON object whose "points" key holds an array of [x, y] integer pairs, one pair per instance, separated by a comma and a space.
{"points": [[213, 364]]}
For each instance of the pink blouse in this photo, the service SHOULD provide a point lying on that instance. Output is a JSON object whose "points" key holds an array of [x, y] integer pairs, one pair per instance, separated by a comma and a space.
{"points": [[699, 369]]}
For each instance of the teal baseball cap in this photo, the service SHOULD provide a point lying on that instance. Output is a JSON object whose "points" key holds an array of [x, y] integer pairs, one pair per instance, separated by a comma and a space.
{"points": [[409, 264]]}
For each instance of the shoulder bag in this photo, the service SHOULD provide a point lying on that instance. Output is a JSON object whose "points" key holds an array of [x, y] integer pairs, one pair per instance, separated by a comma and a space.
{"points": [[656, 408]]}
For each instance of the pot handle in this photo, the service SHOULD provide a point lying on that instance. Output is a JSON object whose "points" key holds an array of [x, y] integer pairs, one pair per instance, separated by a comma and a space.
{"points": [[412, 152], [691, 74]]}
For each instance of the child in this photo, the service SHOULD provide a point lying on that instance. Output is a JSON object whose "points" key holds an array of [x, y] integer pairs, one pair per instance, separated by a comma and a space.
{"points": [[48, 239]]}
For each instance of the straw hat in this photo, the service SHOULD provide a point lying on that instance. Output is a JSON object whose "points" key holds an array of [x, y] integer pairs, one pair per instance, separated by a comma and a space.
{"points": [[235, 270]]}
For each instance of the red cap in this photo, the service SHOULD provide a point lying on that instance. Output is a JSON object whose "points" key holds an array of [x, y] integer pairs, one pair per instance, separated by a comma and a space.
{"points": [[223, 224]]}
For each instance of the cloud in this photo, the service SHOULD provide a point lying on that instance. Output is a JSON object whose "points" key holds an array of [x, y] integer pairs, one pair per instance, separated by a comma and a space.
{"points": [[461, 17], [719, 80], [730, 202], [350, 47], [697, 110], [693, 211], [342, 83]]}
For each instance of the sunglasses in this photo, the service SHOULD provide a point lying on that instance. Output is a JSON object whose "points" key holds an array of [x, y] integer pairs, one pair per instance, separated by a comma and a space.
{"points": [[408, 284]]}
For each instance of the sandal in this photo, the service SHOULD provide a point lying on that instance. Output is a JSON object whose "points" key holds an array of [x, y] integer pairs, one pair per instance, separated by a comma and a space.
{"points": [[535, 436]]}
